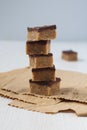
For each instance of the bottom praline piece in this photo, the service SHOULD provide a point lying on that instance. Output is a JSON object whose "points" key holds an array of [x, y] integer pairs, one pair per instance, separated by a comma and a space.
{"points": [[47, 88]]}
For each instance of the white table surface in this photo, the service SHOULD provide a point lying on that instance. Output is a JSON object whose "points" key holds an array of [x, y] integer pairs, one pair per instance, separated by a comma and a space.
{"points": [[12, 56]]}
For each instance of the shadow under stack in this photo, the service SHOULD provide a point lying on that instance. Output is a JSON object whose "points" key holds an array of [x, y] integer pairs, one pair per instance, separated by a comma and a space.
{"points": [[44, 81]]}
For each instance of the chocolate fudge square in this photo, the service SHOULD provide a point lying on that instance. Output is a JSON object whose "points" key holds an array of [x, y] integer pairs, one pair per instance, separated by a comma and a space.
{"points": [[43, 74], [37, 47], [47, 88], [41, 61], [69, 55], [41, 33]]}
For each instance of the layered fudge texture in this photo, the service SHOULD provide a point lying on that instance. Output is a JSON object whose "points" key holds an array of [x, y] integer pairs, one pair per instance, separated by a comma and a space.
{"points": [[41, 60], [69, 55], [38, 47], [43, 74], [41, 33], [45, 87]]}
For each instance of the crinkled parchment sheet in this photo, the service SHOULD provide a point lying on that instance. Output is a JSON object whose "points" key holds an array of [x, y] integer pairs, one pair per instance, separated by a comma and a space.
{"points": [[73, 89]]}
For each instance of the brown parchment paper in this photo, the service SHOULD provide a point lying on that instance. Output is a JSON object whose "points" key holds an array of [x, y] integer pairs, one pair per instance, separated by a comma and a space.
{"points": [[73, 85], [79, 108], [15, 84], [29, 98], [14, 89]]}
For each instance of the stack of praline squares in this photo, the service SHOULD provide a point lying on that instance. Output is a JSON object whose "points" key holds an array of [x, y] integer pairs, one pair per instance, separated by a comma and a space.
{"points": [[44, 81]]}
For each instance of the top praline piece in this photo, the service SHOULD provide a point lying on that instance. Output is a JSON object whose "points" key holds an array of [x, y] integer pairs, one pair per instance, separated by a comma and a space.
{"points": [[46, 32]]}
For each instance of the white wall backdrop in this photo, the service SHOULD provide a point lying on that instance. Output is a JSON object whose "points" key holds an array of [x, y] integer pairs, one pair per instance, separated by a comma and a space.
{"points": [[70, 16]]}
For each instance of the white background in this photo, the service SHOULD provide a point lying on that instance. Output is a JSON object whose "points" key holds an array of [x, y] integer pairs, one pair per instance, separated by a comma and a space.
{"points": [[12, 56], [70, 16]]}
